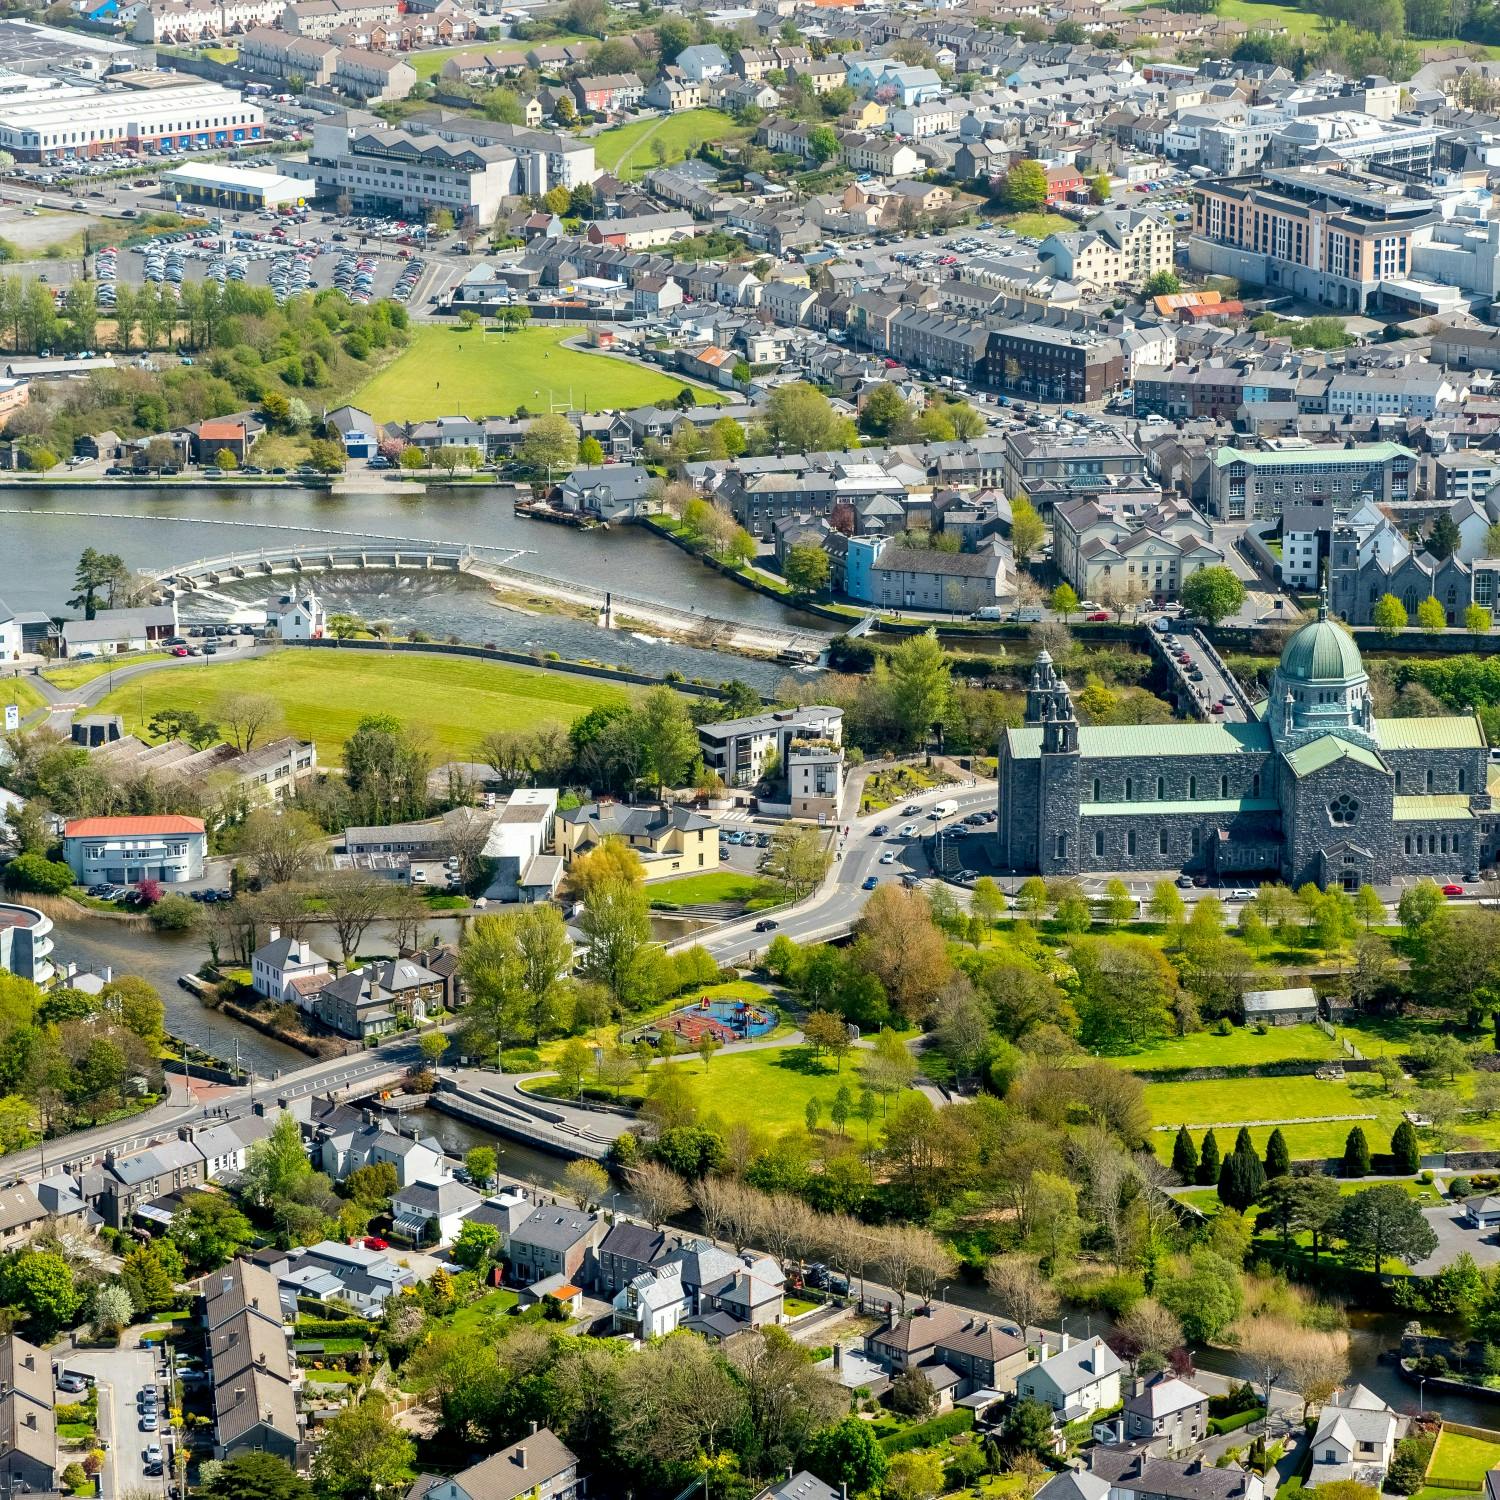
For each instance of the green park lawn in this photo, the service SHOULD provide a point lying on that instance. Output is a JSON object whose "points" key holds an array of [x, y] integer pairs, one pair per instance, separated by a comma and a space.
{"points": [[324, 695], [75, 674], [1227, 1102], [19, 691], [452, 371], [482, 1309], [629, 151], [1460, 1457], [1241, 1048], [1038, 226], [715, 885]]}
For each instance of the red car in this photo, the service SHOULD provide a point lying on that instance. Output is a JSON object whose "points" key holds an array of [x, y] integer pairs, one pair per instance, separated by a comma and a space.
{"points": [[1218, 708], [179, 650], [1453, 890], [1099, 616], [374, 1242]]}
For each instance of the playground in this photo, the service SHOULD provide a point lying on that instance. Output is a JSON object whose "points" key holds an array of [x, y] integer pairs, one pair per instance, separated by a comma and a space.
{"points": [[725, 1021]]}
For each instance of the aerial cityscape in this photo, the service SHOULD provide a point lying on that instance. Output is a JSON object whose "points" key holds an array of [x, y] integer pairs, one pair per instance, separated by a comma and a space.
{"points": [[749, 751]]}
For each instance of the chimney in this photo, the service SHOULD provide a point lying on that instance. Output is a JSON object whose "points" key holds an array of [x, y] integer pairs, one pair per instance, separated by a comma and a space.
{"points": [[239, 1394], [533, 1427], [521, 1456], [838, 1355], [273, 934], [1067, 1342]]}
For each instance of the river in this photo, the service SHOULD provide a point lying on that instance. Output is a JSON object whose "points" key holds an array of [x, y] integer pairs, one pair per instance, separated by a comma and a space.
{"points": [[43, 530]]}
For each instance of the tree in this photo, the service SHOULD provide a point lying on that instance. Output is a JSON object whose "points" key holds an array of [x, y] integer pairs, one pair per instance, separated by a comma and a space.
{"points": [[209, 1230], [1241, 1177], [898, 942], [1431, 616], [1213, 594], [798, 858], [40, 1285], [362, 1453], [920, 686], [245, 717], [659, 1191], [276, 1166], [112, 1310], [1356, 1162], [1028, 1427], [1063, 601], [282, 846], [1161, 284], [1384, 1222], [550, 443], [1478, 620], [885, 412], [848, 1455], [151, 1287], [1027, 529], [802, 419], [96, 572], [1405, 1149], [1020, 1289], [668, 738], [586, 1183], [822, 143], [1185, 1155], [1209, 1165], [31, 872], [1278, 1157], [1207, 1300], [257, 1476], [807, 568], [481, 1162], [1025, 187], [615, 922], [1444, 538], [352, 902], [1389, 616]]}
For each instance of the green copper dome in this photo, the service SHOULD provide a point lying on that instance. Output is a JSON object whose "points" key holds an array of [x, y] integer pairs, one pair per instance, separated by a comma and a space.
{"points": [[1321, 651]]}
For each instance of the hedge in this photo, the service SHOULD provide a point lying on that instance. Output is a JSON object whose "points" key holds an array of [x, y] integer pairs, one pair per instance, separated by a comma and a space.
{"points": [[334, 1328], [929, 1434], [1438, 1482], [1217, 1426]]}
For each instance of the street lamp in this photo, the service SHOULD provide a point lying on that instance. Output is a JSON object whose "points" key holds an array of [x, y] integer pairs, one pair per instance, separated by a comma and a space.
{"points": [[1421, 1395]]}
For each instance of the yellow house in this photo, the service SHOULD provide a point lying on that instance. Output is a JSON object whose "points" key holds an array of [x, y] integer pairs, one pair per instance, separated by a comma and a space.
{"points": [[866, 114], [669, 840]]}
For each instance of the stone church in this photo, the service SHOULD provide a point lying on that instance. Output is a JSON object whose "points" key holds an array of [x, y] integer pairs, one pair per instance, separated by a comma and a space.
{"points": [[1316, 788]]}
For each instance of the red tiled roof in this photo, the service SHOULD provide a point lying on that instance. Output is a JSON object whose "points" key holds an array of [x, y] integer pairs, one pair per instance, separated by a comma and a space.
{"points": [[209, 430], [97, 828]]}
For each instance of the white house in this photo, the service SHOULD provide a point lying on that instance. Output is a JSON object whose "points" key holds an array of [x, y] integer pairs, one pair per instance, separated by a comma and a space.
{"points": [[288, 969], [1482, 1213], [702, 62], [1356, 1439], [1077, 1381], [169, 849], [652, 1304], [10, 633], [340, 1151], [432, 1213], [297, 617]]}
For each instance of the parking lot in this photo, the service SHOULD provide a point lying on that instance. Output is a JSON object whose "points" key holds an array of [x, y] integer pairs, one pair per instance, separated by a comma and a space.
{"points": [[121, 1375]]}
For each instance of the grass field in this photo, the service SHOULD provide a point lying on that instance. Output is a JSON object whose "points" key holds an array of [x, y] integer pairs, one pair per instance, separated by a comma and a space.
{"points": [[1039, 225], [1241, 1048], [630, 150], [75, 674], [716, 885], [26, 695], [324, 695], [430, 64], [1237, 1099], [1459, 1457], [481, 1310], [448, 372]]}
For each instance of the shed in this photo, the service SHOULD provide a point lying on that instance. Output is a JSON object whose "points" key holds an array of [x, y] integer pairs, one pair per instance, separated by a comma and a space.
{"points": [[1294, 1007]]}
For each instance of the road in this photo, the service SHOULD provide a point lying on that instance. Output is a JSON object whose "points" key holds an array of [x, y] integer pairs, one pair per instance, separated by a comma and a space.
{"points": [[836, 905], [120, 1374]]}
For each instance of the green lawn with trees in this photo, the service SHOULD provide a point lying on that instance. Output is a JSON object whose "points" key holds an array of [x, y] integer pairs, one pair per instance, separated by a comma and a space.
{"points": [[468, 372], [323, 695]]}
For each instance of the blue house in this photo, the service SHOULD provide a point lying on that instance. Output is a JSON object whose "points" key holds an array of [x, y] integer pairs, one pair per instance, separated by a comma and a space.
{"points": [[358, 430]]}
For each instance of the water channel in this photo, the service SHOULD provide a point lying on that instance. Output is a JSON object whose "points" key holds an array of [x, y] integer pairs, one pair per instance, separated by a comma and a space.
{"points": [[43, 530]]}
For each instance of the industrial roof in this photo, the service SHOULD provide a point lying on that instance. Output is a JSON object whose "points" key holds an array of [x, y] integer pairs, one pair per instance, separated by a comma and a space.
{"points": [[1358, 453]]}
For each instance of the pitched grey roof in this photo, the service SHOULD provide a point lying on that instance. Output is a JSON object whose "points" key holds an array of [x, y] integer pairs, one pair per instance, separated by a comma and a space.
{"points": [[554, 1228], [522, 1469]]}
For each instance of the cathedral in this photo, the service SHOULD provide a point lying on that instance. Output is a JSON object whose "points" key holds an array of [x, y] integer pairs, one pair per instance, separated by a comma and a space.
{"points": [[1315, 788]]}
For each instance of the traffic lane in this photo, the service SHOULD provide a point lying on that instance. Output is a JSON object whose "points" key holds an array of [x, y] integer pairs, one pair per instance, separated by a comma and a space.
{"points": [[120, 1374]]}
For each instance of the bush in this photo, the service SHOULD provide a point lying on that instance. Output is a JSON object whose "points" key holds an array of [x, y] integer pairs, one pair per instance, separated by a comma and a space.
{"points": [[1219, 1425], [929, 1434], [30, 872], [1115, 1295], [175, 913], [520, 1060], [1408, 1471], [1242, 1398], [334, 1328]]}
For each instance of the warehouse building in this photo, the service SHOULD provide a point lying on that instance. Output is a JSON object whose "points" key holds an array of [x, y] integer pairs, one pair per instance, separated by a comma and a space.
{"points": [[69, 122], [226, 186]]}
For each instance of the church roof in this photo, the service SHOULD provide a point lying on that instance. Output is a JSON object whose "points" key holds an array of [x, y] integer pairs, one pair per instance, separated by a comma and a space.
{"points": [[1443, 732], [1321, 652], [1325, 750], [1149, 740], [1440, 806]]}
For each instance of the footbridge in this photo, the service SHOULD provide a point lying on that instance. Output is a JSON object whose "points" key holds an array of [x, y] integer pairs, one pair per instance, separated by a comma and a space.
{"points": [[309, 561]]}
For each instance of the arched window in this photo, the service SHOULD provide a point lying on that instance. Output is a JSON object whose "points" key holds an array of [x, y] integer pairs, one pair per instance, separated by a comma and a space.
{"points": [[1097, 798], [1192, 786], [1223, 786], [1429, 781], [1161, 788], [1129, 788]]}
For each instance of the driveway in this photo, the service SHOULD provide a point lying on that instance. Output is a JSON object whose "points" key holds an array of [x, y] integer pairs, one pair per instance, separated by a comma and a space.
{"points": [[120, 1374], [1454, 1237]]}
